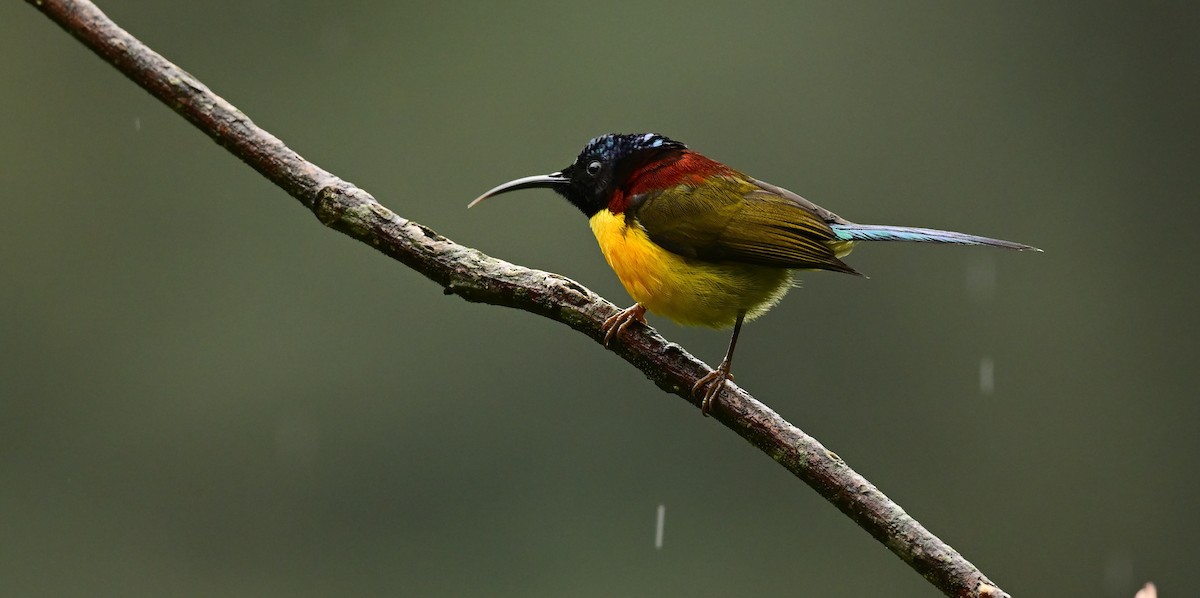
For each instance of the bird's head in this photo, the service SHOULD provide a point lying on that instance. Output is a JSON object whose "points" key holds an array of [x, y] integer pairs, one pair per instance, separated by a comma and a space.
{"points": [[598, 177]]}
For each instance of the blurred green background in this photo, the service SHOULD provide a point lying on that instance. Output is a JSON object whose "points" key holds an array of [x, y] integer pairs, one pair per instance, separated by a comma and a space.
{"points": [[203, 392]]}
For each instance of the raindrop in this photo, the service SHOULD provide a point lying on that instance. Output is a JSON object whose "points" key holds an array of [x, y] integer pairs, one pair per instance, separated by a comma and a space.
{"points": [[981, 277], [658, 527], [987, 375]]}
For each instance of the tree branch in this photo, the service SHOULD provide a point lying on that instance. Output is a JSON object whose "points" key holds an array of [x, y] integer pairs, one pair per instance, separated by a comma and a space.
{"points": [[476, 277]]}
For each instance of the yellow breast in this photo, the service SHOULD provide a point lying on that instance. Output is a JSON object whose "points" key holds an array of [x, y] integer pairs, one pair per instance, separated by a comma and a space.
{"points": [[690, 291]]}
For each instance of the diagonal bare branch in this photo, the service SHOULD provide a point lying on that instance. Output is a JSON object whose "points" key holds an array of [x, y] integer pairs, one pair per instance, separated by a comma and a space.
{"points": [[476, 277]]}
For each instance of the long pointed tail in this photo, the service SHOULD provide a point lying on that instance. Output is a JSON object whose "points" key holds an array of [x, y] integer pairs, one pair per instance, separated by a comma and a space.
{"points": [[876, 232]]}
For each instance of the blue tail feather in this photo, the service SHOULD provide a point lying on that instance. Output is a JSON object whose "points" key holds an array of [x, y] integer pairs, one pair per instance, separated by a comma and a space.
{"points": [[876, 232]]}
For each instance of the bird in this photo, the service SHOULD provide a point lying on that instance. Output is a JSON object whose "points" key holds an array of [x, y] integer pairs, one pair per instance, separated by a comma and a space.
{"points": [[701, 243]]}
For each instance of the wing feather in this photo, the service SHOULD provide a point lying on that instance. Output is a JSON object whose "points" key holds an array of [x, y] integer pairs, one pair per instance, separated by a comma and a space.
{"points": [[737, 219]]}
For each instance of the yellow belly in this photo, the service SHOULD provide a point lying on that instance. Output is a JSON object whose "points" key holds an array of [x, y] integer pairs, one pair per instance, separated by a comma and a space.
{"points": [[688, 291]]}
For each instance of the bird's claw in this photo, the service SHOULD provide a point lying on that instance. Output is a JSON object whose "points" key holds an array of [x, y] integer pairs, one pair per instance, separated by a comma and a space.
{"points": [[618, 322], [709, 387]]}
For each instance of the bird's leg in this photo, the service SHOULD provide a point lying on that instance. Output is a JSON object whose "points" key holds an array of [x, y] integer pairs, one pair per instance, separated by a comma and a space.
{"points": [[713, 382], [617, 323]]}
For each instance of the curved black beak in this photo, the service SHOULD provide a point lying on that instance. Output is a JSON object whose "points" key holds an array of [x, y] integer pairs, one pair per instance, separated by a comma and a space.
{"points": [[530, 182]]}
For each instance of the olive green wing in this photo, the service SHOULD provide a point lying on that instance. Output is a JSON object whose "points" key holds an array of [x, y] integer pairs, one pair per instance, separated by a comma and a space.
{"points": [[735, 219]]}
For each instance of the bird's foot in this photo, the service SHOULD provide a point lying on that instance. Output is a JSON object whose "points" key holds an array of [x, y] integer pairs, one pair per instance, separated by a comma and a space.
{"points": [[617, 323], [709, 387]]}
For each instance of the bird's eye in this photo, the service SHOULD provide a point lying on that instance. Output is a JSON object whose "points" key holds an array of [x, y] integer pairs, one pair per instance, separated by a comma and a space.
{"points": [[593, 169]]}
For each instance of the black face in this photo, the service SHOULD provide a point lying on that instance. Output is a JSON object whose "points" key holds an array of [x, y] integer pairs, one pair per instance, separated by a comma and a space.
{"points": [[605, 162]]}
